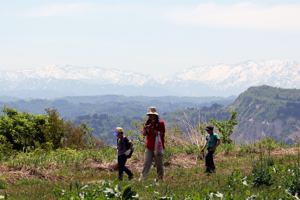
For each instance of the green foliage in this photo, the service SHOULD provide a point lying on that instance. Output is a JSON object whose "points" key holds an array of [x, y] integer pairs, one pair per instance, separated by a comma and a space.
{"points": [[3, 184], [261, 172], [6, 148], [233, 179], [226, 148], [268, 143], [55, 128], [22, 131], [247, 149], [226, 127], [191, 149], [101, 190], [273, 110], [294, 186], [129, 194], [60, 157]]}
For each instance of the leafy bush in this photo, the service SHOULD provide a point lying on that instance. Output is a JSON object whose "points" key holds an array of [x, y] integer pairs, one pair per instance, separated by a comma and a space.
{"points": [[190, 149], [3, 184], [261, 172], [294, 187], [22, 131], [295, 183], [226, 127], [248, 149], [227, 147], [268, 143], [234, 180], [102, 190]]}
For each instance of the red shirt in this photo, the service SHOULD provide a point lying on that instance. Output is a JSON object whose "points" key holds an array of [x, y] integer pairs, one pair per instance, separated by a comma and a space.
{"points": [[150, 131]]}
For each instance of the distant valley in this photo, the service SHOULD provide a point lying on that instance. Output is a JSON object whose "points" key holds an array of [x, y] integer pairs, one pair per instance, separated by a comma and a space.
{"points": [[262, 111]]}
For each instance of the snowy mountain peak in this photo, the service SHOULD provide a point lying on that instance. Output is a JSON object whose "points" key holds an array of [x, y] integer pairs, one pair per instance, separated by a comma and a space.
{"points": [[281, 73], [217, 80]]}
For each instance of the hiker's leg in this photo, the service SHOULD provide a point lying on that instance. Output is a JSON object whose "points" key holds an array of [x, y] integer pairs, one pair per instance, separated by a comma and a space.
{"points": [[213, 167], [209, 161], [121, 165], [147, 162], [159, 166], [127, 171]]}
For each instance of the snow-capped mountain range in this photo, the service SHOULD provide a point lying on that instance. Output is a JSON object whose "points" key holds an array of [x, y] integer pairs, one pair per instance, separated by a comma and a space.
{"points": [[212, 80]]}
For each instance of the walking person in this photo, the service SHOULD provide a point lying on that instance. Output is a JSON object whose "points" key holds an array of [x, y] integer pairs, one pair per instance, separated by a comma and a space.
{"points": [[154, 133], [213, 141], [124, 147]]}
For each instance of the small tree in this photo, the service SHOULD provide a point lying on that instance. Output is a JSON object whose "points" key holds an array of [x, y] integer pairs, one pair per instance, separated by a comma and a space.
{"points": [[226, 127], [55, 129]]}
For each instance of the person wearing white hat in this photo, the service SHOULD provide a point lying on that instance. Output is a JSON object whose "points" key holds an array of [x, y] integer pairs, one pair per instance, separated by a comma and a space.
{"points": [[153, 131]]}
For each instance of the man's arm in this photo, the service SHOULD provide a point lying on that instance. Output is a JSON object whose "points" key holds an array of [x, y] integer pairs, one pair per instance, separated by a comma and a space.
{"points": [[217, 144]]}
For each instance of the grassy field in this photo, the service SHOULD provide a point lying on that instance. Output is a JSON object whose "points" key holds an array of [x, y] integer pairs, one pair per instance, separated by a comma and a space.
{"points": [[245, 172]]}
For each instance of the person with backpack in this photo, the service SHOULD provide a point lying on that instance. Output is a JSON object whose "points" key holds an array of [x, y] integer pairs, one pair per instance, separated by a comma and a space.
{"points": [[154, 133], [213, 141], [125, 149]]}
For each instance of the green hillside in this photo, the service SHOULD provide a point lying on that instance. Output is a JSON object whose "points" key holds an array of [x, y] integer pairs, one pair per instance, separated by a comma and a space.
{"points": [[268, 111]]}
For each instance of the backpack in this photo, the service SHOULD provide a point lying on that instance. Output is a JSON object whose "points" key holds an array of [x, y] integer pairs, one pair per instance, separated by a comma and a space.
{"points": [[129, 148]]}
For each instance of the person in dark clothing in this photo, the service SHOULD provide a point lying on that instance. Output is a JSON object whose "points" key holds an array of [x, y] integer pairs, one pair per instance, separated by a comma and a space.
{"points": [[123, 146], [213, 140]]}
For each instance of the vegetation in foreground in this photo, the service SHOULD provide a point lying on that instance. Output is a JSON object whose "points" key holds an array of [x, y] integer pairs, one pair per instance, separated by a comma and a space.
{"points": [[245, 172], [264, 170]]}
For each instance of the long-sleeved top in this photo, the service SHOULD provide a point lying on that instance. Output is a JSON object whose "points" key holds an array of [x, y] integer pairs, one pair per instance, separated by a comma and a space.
{"points": [[150, 131], [122, 145]]}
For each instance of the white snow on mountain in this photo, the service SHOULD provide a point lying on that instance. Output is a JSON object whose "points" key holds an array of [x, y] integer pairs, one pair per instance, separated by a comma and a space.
{"points": [[280, 73], [93, 74], [220, 79]]}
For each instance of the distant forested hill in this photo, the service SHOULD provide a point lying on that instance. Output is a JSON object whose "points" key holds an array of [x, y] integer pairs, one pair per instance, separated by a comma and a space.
{"points": [[262, 111], [103, 113], [268, 111]]}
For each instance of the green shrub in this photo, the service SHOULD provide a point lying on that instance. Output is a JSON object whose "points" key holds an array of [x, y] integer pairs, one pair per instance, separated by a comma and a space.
{"points": [[295, 184], [248, 149], [3, 184], [101, 190], [23, 131], [261, 172], [190, 149], [226, 147], [234, 180], [226, 127], [268, 143]]}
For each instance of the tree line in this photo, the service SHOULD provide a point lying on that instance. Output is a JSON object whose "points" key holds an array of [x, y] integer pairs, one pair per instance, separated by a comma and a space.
{"points": [[22, 131]]}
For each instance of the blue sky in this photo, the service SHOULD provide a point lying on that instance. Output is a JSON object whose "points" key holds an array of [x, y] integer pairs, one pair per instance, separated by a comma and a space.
{"points": [[152, 37]]}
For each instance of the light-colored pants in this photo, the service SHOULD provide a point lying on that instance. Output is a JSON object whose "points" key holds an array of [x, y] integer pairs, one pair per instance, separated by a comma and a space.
{"points": [[149, 156]]}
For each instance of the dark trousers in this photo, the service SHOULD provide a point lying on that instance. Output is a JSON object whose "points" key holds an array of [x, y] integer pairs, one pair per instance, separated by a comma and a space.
{"points": [[209, 162], [122, 168]]}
